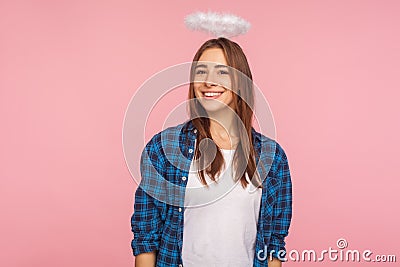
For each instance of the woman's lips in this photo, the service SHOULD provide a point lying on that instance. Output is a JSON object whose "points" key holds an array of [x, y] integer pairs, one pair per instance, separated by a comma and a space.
{"points": [[212, 95]]}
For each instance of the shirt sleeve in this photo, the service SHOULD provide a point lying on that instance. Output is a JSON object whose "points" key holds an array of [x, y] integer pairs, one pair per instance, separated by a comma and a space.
{"points": [[146, 220], [282, 211]]}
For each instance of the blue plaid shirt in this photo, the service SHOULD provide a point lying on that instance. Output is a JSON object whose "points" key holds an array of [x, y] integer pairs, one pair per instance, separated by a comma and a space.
{"points": [[158, 217]]}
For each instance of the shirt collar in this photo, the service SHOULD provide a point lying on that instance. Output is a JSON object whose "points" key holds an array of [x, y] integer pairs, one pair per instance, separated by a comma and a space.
{"points": [[188, 126]]}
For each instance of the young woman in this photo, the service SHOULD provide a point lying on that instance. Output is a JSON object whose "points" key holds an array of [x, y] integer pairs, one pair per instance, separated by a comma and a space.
{"points": [[227, 199]]}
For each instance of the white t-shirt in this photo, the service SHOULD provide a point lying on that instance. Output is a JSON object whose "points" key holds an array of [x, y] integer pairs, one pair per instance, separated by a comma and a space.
{"points": [[220, 222]]}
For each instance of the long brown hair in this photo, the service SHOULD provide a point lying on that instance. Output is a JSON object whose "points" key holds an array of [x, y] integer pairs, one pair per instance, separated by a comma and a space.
{"points": [[242, 90]]}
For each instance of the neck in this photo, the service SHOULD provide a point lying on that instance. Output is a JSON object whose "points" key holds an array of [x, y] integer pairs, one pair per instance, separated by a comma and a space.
{"points": [[222, 124]]}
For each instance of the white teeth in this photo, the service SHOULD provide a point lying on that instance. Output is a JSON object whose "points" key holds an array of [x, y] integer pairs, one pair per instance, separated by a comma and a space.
{"points": [[212, 94]]}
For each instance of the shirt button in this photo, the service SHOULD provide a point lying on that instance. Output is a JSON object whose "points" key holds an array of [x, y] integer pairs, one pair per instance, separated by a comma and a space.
{"points": [[180, 209], [184, 178], [190, 150], [195, 130]]}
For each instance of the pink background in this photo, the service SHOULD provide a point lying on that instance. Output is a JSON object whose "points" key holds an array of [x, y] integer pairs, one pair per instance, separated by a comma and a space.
{"points": [[329, 69]]}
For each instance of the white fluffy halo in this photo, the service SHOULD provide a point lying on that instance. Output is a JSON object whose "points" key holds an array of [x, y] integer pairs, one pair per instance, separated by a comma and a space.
{"points": [[218, 24]]}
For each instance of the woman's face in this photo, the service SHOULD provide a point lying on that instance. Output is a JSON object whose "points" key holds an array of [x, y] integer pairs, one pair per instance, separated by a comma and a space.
{"points": [[212, 82]]}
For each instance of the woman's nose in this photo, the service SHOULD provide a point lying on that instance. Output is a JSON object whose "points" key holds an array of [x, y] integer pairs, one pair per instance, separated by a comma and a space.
{"points": [[210, 80], [210, 83]]}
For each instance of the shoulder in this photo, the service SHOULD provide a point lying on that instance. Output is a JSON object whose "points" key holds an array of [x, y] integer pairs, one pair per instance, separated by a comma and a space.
{"points": [[168, 136]]}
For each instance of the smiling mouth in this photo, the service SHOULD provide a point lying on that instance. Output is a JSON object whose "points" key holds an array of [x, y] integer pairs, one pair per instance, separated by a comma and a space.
{"points": [[212, 95]]}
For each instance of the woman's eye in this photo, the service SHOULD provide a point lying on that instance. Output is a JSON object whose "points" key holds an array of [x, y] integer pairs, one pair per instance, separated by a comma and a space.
{"points": [[223, 72], [200, 72]]}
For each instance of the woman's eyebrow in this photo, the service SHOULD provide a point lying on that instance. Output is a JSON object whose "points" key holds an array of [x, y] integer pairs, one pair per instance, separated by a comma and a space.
{"points": [[220, 66], [205, 66], [201, 66]]}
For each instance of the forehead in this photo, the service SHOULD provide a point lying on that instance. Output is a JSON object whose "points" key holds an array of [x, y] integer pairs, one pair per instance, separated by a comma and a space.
{"points": [[213, 55]]}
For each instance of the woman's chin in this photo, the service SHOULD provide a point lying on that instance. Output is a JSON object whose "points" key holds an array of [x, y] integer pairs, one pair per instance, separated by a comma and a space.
{"points": [[214, 105]]}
